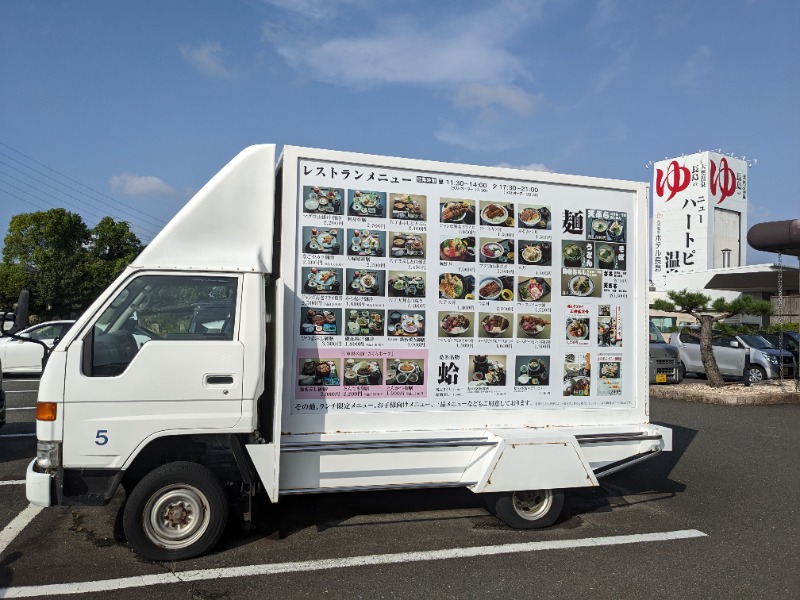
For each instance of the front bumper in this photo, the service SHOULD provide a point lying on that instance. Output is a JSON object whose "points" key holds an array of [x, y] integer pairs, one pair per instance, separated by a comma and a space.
{"points": [[38, 486]]}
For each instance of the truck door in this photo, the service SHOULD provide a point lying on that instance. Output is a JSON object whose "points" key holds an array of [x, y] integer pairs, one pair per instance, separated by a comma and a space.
{"points": [[155, 360]]}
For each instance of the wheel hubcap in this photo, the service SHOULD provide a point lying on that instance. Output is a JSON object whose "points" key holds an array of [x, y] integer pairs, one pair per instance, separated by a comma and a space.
{"points": [[532, 504], [176, 516]]}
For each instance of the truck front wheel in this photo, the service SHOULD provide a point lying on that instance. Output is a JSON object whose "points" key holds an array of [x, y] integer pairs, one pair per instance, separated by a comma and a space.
{"points": [[531, 509], [176, 511]]}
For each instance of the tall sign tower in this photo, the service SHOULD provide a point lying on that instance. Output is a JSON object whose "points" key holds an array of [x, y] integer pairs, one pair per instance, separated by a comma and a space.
{"points": [[699, 216]]}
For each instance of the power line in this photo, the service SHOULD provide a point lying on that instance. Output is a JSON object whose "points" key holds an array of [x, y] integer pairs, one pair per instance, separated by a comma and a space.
{"points": [[84, 199], [76, 199], [106, 204], [53, 204]]}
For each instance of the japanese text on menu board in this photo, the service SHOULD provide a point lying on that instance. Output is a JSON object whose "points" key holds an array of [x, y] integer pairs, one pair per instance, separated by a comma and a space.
{"points": [[432, 292]]}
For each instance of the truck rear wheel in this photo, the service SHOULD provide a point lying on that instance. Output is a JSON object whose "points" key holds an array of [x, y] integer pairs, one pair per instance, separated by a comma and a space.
{"points": [[531, 509], [176, 511]]}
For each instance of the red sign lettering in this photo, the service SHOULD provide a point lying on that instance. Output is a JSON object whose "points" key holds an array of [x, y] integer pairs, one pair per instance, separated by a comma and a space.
{"points": [[675, 179], [725, 178]]}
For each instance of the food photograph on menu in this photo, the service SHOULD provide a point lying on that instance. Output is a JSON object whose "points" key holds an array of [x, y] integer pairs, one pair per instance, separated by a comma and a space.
{"points": [[603, 225], [534, 216], [365, 322], [320, 321], [455, 286], [496, 214], [577, 374], [406, 284], [610, 256], [533, 289], [366, 242], [363, 372], [408, 207], [500, 289], [495, 325], [457, 211], [319, 371], [322, 280], [407, 244], [322, 200], [582, 283], [456, 324], [487, 370], [498, 251], [405, 371], [322, 240], [577, 254], [535, 253], [532, 370], [406, 323], [535, 326], [366, 282], [457, 249], [366, 204]]}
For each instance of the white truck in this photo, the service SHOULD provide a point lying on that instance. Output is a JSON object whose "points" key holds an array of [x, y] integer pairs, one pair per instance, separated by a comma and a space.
{"points": [[342, 322]]}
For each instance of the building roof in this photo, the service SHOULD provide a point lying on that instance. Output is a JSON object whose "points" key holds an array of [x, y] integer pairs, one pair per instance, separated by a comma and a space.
{"points": [[755, 280]]}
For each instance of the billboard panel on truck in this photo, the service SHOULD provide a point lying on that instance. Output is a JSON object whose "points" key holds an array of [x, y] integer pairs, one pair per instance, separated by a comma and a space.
{"points": [[430, 291]]}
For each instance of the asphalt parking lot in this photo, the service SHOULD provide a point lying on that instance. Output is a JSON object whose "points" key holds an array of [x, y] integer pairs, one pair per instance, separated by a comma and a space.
{"points": [[716, 518]]}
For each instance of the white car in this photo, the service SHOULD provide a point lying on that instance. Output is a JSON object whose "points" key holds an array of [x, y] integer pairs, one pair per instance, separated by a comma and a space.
{"points": [[17, 356]]}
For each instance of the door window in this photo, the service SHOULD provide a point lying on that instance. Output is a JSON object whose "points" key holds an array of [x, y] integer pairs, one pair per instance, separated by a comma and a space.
{"points": [[160, 308]]}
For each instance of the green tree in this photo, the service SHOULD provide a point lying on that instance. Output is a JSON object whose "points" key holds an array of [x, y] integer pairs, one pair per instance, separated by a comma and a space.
{"points": [[697, 305], [49, 248], [63, 263], [112, 247]]}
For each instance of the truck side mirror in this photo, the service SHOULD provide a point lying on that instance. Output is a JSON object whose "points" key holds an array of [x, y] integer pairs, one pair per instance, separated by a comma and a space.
{"points": [[734, 344]]}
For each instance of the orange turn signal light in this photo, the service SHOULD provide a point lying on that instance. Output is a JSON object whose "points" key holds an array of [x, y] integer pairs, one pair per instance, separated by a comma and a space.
{"points": [[46, 411]]}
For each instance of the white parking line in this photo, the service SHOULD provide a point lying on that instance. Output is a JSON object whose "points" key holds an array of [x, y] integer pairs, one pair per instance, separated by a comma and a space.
{"points": [[23, 408], [16, 435], [15, 527], [13, 482], [335, 563]]}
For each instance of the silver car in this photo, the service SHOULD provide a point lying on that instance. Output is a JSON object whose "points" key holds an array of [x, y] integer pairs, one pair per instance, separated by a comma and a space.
{"points": [[732, 353]]}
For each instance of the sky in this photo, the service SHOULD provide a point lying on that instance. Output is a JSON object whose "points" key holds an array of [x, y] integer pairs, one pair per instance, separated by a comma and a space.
{"points": [[127, 108]]}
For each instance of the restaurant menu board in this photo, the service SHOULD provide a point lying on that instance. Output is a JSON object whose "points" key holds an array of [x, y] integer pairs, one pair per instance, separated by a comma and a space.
{"points": [[426, 292]]}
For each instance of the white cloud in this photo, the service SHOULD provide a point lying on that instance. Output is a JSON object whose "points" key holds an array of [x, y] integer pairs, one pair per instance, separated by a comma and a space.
{"points": [[140, 185], [530, 167], [206, 58], [468, 56], [479, 95], [450, 50]]}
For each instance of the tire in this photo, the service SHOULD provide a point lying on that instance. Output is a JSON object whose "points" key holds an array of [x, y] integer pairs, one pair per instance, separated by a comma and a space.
{"points": [[176, 511], [756, 374], [532, 509]]}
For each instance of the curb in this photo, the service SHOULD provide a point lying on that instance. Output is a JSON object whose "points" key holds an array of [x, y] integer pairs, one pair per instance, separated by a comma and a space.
{"points": [[674, 392]]}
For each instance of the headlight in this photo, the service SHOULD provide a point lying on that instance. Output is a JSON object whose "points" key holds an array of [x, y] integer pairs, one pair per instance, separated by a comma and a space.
{"points": [[48, 455], [773, 359]]}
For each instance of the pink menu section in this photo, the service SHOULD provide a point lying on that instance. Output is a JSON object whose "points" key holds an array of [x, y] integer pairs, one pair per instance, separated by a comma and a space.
{"points": [[348, 373]]}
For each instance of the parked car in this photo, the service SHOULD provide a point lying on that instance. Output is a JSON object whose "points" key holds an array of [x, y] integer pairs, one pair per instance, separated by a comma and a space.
{"points": [[18, 356], [731, 353], [2, 400], [788, 340], [664, 359], [767, 361]]}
